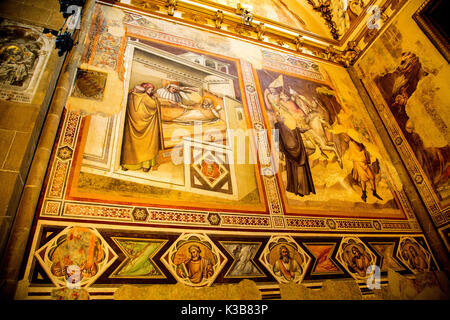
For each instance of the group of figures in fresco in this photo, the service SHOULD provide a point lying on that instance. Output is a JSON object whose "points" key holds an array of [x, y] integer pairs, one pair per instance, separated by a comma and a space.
{"points": [[304, 122], [194, 260], [197, 267], [397, 87], [303, 118], [147, 109]]}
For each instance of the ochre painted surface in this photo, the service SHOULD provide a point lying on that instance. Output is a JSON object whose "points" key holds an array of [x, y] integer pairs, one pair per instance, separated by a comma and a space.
{"points": [[213, 206]]}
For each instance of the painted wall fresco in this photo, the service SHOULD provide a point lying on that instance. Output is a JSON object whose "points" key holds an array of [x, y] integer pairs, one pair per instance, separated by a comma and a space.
{"points": [[171, 139], [197, 259], [408, 80], [297, 13], [210, 220], [324, 146]]}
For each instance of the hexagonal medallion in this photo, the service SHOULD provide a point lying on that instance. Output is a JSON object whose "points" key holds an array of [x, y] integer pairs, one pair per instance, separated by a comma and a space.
{"points": [[356, 257], [214, 219], [194, 260], [418, 179], [285, 259]]}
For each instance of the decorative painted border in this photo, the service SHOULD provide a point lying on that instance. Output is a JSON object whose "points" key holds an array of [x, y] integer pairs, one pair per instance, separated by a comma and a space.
{"points": [[439, 213]]}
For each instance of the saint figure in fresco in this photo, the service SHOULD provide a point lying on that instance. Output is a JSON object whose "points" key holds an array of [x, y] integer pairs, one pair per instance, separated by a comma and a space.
{"points": [[403, 80], [298, 171], [177, 106], [272, 98], [17, 60], [82, 248], [397, 87], [423, 155], [356, 257], [142, 129], [286, 266], [205, 111], [360, 261], [196, 268]]}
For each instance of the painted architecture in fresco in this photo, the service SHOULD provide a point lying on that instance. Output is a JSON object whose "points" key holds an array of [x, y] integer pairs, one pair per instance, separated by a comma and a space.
{"points": [[150, 181]]}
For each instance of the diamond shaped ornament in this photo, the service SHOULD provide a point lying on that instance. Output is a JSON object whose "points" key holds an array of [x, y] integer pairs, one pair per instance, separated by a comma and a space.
{"points": [[210, 168]]}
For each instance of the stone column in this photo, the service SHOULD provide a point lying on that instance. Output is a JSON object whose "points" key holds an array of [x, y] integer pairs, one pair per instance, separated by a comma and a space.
{"points": [[15, 250]]}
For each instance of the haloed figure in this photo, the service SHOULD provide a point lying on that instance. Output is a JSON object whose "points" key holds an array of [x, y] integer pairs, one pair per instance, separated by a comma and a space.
{"points": [[298, 171], [359, 262], [142, 129], [196, 268], [362, 171], [416, 260]]}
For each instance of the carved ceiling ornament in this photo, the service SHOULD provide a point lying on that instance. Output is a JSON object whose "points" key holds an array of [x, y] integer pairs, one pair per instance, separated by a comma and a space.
{"points": [[260, 30]]}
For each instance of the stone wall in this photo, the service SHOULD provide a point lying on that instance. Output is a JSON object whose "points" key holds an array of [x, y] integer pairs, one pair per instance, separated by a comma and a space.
{"points": [[21, 123]]}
